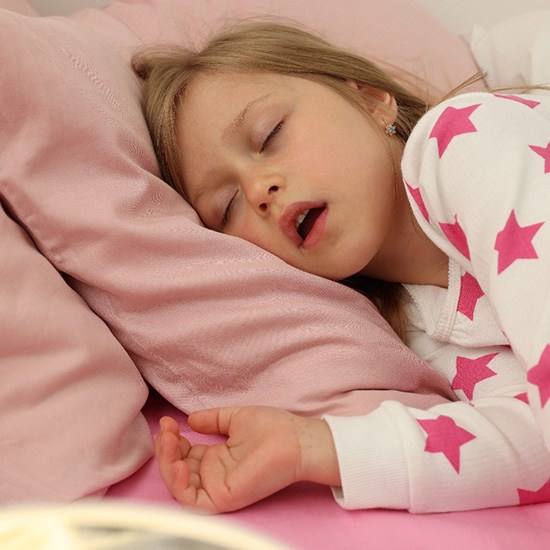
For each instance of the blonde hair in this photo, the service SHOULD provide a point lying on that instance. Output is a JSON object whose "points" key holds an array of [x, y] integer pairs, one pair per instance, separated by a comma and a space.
{"points": [[275, 48], [256, 47]]}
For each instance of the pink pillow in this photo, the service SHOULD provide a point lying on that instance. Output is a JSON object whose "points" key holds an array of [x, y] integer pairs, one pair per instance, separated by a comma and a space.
{"points": [[411, 45], [70, 397], [70, 420], [208, 319]]}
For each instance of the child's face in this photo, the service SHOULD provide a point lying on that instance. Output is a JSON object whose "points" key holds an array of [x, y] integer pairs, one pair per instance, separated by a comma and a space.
{"points": [[261, 151]]}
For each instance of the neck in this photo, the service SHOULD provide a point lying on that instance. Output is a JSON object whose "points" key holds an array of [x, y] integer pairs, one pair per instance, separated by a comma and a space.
{"points": [[408, 255]]}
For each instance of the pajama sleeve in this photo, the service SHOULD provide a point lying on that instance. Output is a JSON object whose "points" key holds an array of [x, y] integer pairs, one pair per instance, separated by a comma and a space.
{"points": [[485, 451], [477, 171]]}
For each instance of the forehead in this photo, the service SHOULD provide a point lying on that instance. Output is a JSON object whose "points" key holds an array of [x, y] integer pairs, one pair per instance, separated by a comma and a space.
{"points": [[215, 101], [216, 94], [210, 100]]}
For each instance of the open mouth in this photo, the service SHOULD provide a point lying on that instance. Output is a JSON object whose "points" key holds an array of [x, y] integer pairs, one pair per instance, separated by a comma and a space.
{"points": [[305, 221]]}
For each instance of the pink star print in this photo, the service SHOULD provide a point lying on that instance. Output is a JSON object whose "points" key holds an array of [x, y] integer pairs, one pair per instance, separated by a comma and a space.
{"points": [[534, 497], [471, 371], [514, 242], [522, 397], [456, 235], [470, 293], [416, 195], [544, 152], [444, 436], [539, 375], [451, 123], [523, 100]]}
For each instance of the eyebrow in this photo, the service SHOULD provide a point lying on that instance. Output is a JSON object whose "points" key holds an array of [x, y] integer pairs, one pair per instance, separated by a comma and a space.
{"points": [[238, 121]]}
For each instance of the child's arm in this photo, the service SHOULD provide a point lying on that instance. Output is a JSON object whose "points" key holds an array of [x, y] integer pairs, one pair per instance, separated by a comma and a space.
{"points": [[483, 452], [266, 450], [477, 170]]}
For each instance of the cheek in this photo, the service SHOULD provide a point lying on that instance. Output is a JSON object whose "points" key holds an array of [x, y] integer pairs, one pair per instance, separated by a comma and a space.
{"points": [[266, 238], [245, 228], [319, 160]]}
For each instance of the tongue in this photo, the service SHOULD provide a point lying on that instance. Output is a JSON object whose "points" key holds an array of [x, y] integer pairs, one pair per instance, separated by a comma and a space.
{"points": [[309, 222]]}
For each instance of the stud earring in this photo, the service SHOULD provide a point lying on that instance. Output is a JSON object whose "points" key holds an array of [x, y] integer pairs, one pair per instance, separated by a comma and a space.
{"points": [[390, 129]]}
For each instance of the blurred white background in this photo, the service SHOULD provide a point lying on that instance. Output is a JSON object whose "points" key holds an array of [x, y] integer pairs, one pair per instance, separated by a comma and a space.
{"points": [[459, 15]]}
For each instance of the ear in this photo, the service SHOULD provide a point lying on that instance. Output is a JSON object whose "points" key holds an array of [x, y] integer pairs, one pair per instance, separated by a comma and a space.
{"points": [[380, 104]]}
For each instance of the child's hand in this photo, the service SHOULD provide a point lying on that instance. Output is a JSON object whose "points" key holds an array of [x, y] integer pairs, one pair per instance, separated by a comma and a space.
{"points": [[267, 450]]}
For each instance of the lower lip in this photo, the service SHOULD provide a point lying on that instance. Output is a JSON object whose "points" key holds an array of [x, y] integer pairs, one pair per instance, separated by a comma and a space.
{"points": [[316, 232]]}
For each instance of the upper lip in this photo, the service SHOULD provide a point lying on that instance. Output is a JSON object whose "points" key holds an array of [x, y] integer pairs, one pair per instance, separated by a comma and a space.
{"points": [[289, 218]]}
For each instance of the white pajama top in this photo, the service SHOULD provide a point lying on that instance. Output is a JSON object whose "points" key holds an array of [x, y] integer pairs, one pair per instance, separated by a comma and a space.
{"points": [[477, 173]]}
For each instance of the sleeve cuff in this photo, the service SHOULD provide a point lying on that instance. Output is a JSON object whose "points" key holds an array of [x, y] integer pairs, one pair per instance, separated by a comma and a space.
{"points": [[372, 464]]}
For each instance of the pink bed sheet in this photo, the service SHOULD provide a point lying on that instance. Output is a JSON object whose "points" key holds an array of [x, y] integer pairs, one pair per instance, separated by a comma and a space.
{"points": [[306, 517]]}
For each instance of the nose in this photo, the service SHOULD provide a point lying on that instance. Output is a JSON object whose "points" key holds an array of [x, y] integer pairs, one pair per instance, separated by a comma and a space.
{"points": [[260, 191]]}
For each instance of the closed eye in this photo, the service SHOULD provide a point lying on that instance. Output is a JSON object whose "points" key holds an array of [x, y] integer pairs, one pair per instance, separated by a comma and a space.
{"points": [[227, 211], [271, 135]]}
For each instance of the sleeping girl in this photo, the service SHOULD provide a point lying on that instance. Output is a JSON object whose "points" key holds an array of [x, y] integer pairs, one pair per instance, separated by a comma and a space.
{"points": [[439, 215]]}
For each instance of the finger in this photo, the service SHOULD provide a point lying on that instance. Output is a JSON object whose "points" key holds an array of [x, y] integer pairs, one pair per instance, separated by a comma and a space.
{"points": [[193, 459], [184, 446], [212, 421], [177, 480], [179, 472], [183, 480], [173, 471], [169, 424], [171, 453], [196, 452], [179, 467], [165, 426], [170, 447], [166, 448], [198, 481]]}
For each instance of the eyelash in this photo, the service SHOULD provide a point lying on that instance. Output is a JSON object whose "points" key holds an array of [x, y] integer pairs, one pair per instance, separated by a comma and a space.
{"points": [[225, 217], [271, 135]]}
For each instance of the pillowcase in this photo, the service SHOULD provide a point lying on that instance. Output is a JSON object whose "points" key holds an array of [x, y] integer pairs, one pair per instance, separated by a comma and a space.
{"points": [[209, 320], [71, 398], [70, 420], [401, 36]]}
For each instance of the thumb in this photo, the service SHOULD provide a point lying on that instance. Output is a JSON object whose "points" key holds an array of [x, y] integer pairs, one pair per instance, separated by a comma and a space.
{"points": [[212, 421]]}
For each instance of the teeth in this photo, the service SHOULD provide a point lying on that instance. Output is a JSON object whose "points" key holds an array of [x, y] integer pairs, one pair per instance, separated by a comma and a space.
{"points": [[300, 219]]}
